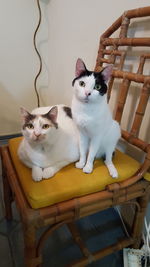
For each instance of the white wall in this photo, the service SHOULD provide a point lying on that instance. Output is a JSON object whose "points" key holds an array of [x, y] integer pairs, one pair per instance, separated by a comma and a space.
{"points": [[18, 62], [70, 29]]}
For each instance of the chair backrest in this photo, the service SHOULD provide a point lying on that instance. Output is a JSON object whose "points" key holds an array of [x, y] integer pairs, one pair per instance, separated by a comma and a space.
{"points": [[117, 51]]}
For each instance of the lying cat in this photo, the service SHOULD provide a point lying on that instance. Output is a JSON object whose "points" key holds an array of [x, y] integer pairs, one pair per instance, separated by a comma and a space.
{"points": [[50, 140], [99, 133]]}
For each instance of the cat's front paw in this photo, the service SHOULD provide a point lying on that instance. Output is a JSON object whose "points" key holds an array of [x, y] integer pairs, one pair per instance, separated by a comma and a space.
{"points": [[37, 173], [88, 168], [48, 172], [80, 164], [112, 171]]}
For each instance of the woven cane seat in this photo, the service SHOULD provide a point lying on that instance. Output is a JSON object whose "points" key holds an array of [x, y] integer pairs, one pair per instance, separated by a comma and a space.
{"points": [[69, 182]]}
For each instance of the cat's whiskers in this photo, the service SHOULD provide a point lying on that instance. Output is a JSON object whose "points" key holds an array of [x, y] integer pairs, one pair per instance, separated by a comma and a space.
{"points": [[86, 100]]}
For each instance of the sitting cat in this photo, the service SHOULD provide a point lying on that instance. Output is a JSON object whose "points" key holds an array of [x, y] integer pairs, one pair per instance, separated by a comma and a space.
{"points": [[50, 140], [99, 133]]}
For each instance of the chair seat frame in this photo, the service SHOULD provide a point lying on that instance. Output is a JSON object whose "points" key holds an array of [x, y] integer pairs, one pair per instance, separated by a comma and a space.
{"points": [[68, 212]]}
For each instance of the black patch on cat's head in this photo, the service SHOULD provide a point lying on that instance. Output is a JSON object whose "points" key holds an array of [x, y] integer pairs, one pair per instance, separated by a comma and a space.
{"points": [[99, 80], [83, 74], [68, 111], [28, 118]]}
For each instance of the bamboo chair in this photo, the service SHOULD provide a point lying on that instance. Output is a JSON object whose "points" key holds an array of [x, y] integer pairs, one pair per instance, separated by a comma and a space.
{"points": [[132, 188]]}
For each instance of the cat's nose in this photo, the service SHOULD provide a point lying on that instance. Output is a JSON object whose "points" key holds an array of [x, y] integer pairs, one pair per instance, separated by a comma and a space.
{"points": [[87, 93], [37, 134]]}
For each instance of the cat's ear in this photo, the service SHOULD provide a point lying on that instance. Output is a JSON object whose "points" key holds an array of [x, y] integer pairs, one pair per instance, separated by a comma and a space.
{"points": [[80, 67], [53, 114], [106, 72], [24, 113]]}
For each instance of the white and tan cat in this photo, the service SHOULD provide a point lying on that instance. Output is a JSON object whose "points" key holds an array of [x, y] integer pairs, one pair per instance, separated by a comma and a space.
{"points": [[49, 142], [99, 133]]}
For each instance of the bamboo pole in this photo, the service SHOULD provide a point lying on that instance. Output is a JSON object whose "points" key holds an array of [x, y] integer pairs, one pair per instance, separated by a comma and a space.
{"points": [[124, 26], [28, 215], [104, 252], [140, 110], [142, 62], [124, 88], [112, 28], [126, 41], [131, 139], [138, 12]]}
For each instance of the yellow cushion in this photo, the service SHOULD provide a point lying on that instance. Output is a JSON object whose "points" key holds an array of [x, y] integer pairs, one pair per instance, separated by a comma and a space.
{"points": [[69, 182]]}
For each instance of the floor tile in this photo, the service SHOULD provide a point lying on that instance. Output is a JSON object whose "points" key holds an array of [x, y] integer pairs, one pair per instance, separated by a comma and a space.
{"points": [[5, 255], [17, 246], [6, 227]]}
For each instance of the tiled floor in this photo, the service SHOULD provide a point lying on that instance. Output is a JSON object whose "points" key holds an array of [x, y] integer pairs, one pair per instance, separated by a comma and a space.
{"points": [[60, 249]]}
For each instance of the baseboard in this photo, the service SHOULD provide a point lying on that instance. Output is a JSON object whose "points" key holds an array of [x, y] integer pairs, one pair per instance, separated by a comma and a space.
{"points": [[9, 136]]}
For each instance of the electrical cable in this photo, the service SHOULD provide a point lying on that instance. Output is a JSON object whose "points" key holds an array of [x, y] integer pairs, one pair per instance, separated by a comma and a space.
{"points": [[124, 226], [39, 56]]}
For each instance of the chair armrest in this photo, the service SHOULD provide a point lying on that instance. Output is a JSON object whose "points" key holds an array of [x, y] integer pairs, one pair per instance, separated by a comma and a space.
{"points": [[131, 139], [143, 168]]}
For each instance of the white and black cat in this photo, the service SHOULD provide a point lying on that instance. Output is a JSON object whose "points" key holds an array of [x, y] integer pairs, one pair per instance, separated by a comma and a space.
{"points": [[50, 140], [99, 133]]}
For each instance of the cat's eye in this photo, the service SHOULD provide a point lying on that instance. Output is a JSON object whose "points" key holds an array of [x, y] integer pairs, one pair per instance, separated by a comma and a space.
{"points": [[30, 126], [45, 126], [97, 87], [82, 83]]}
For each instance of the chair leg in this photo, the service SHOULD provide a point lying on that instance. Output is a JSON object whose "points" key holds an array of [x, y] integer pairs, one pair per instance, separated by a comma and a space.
{"points": [[31, 258], [7, 196], [139, 220], [77, 238]]}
